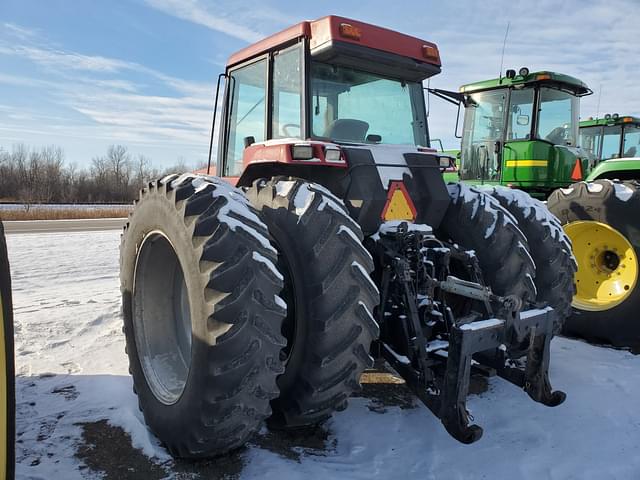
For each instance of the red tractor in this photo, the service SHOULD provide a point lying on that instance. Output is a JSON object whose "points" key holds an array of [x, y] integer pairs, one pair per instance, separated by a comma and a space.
{"points": [[328, 238]]}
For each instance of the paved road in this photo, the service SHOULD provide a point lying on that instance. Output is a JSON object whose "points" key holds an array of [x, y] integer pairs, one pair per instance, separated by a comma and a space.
{"points": [[79, 225]]}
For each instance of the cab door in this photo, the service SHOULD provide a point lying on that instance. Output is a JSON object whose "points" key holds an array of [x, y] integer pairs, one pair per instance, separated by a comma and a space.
{"points": [[484, 123]]}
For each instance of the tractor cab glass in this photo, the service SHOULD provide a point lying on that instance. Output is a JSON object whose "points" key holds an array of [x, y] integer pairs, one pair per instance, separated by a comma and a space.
{"points": [[591, 139], [354, 106], [611, 135], [631, 142], [557, 117], [483, 126], [246, 112], [247, 89], [497, 117]]}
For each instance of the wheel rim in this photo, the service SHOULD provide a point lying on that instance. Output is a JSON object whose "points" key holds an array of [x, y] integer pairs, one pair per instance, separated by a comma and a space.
{"points": [[162, 318], [607, 265]]}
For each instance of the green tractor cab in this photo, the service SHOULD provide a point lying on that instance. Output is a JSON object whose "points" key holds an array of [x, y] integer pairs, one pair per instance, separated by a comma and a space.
{"points": [[614, 139], [522, 131]]}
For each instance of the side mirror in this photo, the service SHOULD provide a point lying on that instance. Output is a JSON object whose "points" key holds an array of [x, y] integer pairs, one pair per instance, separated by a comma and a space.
{"points": [[248, 141], [522, 120]]}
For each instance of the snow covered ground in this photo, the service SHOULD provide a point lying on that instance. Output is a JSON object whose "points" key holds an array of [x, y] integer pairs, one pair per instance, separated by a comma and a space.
{"points": [[72, 368]]}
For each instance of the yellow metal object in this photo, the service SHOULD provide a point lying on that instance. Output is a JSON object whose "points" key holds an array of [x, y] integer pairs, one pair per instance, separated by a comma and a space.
{"points": [[3, 397], [527, 163], [607, 265]]}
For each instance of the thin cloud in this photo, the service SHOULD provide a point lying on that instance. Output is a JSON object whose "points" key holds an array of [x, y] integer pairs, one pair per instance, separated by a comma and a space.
{"points": [[67, 60], [193, 11], [19, 31]]}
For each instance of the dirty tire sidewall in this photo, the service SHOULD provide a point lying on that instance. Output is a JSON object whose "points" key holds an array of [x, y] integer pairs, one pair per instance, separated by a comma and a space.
{"points": [[7, 428], [619, 325], [235, 315], [550, 248], [330, 298]]}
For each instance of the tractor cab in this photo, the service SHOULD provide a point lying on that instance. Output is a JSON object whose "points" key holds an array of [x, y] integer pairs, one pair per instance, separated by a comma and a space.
{"points": [[615, 142], [522, 130], [296, 97], [613, 136]]}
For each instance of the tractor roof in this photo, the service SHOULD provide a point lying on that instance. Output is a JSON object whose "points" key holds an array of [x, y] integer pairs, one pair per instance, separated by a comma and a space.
{"points": [[323, 34], [559, 79], [618, 120]]}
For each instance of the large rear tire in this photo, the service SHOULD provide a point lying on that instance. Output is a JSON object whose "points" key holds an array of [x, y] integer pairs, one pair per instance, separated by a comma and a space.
{"points": [[550, 248], [7, 369], [602, 220], [329, 294], [476, 221], [202, 316]]}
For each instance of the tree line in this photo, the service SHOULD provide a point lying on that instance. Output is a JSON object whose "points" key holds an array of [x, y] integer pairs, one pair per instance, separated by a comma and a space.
{"points": [[41, 176]]}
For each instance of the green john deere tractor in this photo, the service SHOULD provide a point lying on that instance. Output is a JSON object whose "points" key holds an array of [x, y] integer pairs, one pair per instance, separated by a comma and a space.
{"points": [[521, 131], [600, 215], [615, 140]]}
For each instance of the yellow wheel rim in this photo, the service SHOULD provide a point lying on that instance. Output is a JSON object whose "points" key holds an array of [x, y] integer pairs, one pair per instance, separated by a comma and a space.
{"points": [[607, 265]]}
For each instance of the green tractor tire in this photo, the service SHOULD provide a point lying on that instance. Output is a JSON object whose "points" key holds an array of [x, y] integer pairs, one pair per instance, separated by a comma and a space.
{"points": [[601, 219], [7, 369]]}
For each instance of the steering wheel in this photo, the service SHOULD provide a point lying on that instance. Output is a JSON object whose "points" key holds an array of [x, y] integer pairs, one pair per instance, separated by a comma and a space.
{"points": [[287, 126]]}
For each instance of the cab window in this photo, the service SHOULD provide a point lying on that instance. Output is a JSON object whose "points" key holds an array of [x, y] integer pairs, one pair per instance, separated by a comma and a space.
{"points": [[520, 114], [287, 93], [246, 112], [611, 142]]}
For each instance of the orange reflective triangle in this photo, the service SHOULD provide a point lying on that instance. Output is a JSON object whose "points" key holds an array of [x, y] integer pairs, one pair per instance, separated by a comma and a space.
{"points": [[576, 174], [399, 205]]}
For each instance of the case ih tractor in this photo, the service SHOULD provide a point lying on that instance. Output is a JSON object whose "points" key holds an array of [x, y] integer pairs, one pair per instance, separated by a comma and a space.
{"points": [[329, 237]]}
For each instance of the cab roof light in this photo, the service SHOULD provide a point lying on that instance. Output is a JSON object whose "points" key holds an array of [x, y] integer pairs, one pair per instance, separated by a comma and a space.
{"points": [[543, 76], [430, 52], [627, 119], [349, 31]]}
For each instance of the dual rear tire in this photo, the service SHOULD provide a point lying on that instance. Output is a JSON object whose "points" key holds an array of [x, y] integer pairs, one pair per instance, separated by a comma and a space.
{"points": [[222, 291]]}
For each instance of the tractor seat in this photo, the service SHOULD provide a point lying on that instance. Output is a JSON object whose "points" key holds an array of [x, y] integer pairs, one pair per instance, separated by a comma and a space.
{"points": [[347, 130]]}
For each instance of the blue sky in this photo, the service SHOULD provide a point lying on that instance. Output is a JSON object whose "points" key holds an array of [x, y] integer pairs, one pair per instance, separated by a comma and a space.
{"points": [[84, 74]]}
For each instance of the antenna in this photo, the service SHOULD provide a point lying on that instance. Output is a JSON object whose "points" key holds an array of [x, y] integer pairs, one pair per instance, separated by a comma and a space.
{"points": [[598, 107], [504, 44]]}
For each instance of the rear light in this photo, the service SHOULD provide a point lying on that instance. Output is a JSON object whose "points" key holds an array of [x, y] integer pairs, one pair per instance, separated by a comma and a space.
{"points": [[349, 31], [430, 52], [543, 76], [332, 154], [302, 152], [445, 162]]}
